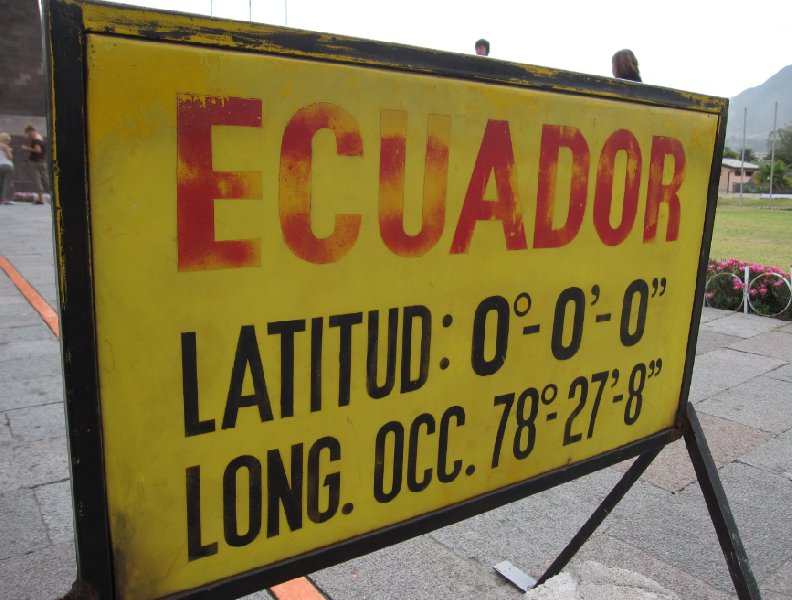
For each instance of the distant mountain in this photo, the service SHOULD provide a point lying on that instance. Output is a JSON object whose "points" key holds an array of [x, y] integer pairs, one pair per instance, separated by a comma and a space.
{"points": [[760, 101]]}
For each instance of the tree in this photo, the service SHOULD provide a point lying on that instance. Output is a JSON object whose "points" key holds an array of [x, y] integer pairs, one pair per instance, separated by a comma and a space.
{"points": [[729, 153], [783, 145], [749, 156], [781, 176]]}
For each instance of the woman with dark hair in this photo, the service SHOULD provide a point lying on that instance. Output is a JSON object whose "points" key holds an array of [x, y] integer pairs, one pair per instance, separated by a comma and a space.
{"points": [[625, 66]]}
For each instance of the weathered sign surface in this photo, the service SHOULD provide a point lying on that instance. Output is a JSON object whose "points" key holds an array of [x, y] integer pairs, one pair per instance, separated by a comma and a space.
{"points": [[338, 302]]}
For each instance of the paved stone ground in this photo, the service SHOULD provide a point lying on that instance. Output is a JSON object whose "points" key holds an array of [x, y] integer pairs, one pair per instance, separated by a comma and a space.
{"points": [[742, 389]]}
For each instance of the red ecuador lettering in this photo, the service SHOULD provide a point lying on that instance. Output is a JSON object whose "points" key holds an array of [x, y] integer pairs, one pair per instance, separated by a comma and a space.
{"points": [[658, 192], [393, 154], [198, 186], [295, 182], [554, 137], [495, 156], [563, 152], [620, 141]]}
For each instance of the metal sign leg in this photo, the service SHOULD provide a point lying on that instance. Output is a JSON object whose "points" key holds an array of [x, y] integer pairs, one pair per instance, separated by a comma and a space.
{"points": [[596, 519], [718, 506]]}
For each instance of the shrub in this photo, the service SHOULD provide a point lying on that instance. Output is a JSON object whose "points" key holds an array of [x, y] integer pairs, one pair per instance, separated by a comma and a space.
{"points": [[769, 292]]}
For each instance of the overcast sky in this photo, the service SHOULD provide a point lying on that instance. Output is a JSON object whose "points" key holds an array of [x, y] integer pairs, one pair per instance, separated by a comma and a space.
{"points": [[685, 44]]}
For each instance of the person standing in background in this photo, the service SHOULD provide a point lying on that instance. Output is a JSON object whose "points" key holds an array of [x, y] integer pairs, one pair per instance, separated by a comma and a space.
{"points": [[482, 47], [624, 65], [38, 162], [6, 169]]}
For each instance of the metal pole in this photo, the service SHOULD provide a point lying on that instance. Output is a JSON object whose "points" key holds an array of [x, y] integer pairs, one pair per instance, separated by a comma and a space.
{"points": [[250, 10], [742, 155], [286, 13], [772, 152], [746, 280]]}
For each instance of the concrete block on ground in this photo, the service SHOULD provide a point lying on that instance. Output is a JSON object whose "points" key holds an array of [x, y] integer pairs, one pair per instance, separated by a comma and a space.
{"points": [[773, 343], [763, 403], [34, 463], [673, 470], [56, 509], [741, 325], [722, 369], [21, 529], [42, 575], [37, 422]]}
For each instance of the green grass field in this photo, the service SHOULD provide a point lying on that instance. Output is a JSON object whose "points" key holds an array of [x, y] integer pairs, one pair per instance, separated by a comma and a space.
{"points": [[752, 233]]}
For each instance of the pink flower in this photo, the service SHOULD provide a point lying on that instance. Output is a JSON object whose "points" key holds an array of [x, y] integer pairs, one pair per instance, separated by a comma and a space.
{"points": [[779, 283], [710, 295], [752, 292]]}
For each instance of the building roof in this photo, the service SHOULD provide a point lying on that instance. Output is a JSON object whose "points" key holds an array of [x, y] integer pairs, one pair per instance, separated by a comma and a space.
{"points": [[733, 163]]}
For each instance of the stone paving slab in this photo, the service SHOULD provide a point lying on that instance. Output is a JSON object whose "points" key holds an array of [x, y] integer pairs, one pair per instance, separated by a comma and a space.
{"points": [[773, 343], [673, 470], [774, 456], [713, 314], [418, 569], [36, 332], [674, 529], [722, 369], [763, 403], [37, 422], [707, 341], [21, 529], [34, 463], [784, 373], [779, 584], [41, 575], [613, 552], [46, 389], [29, 317], [28, 349], [740, 325], [56, 507], [760, 502]]}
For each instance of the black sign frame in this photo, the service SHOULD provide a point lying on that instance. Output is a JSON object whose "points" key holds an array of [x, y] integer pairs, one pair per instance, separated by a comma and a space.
{"points": [[66, 28]]}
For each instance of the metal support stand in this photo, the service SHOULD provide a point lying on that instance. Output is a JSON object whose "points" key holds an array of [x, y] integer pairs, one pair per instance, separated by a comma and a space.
{"points": [[715, 497], [718, 506]]}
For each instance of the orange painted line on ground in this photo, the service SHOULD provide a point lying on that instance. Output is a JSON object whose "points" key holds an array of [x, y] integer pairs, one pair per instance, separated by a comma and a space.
{"points": [[297, 589], [49, 316]]}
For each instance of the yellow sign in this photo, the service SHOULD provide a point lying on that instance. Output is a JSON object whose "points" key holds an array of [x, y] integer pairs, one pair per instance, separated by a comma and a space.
{"points": [[332, 298]]}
